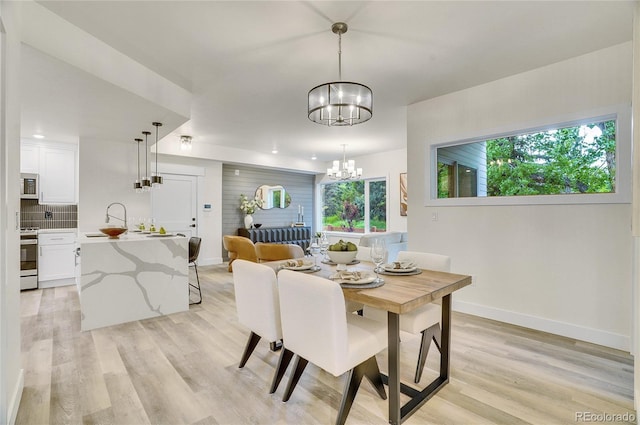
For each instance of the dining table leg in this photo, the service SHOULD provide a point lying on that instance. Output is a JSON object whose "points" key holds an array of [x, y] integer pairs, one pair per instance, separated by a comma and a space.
{"points": [[397, 412], [445, 338], [393, 335]]}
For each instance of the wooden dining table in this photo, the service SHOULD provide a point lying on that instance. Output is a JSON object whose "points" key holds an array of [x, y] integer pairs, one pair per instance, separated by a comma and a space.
{"points": [[401, 294]]}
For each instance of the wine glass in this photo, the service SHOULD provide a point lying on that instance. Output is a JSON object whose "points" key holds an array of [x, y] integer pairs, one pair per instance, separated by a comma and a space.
{"points": [[324, 246], [378, 254], [314, 249]]}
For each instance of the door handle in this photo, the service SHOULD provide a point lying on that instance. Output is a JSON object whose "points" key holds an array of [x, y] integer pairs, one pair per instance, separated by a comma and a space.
{"points": [[192, 225]]}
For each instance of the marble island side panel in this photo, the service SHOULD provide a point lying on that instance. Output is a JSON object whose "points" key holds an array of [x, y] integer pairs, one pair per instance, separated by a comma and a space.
{"points": [[132, 278]]}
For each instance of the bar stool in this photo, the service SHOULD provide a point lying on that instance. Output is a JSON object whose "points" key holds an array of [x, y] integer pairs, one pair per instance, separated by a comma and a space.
{"points": [[194, 251]]}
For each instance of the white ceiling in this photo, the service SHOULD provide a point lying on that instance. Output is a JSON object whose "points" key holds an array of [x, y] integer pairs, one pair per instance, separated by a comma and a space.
{"points": [[250, 65]]}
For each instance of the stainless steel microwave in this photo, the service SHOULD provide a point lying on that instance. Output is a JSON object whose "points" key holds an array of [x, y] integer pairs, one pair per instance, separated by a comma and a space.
{"points": [[29, 186]]}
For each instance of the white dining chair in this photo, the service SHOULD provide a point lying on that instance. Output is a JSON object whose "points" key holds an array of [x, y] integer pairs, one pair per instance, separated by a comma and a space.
{"points": [[364, 253], [425, 319], [258, 307], [317, 329]]}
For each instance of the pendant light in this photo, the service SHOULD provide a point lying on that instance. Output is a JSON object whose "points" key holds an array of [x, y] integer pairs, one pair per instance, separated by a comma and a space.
{"points": [[340, 102], [157, 178], [146, 182], [137, 185]]}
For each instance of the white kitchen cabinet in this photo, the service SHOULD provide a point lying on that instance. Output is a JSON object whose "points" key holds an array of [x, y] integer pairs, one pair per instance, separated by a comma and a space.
{"points": [[57, 176], [57, 165], [56, 259], [29, 158]]}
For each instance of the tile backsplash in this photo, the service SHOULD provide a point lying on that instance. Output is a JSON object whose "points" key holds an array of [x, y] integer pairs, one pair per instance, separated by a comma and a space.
{"points": [[33, 214]]}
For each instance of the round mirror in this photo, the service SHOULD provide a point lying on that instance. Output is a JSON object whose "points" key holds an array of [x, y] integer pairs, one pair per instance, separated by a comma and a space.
{"points": [[273, 197]]}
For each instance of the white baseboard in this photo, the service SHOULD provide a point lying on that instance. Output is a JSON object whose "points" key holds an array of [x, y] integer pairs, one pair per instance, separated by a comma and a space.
{"points": [[14, 402], [57, 282], [595, 336], [212, 261]]}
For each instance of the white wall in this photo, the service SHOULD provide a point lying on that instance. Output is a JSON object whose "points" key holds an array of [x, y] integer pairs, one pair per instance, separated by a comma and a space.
{"points": [[560, 268], [104, 180], [11, 373]]}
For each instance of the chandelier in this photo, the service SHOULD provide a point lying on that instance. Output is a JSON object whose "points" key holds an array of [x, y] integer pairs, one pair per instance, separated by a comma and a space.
{"points": [[341, 102], [347, 170]]}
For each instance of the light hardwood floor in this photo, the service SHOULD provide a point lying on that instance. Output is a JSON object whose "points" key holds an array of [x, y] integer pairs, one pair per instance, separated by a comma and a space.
{"points": [[183, 369]]}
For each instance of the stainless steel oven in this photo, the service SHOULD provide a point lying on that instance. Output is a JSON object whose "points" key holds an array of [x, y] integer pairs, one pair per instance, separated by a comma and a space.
{"points": [[28, 259]]}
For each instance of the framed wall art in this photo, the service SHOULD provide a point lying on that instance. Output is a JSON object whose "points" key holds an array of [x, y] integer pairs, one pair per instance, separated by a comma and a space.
{"points": [[403, 194]]}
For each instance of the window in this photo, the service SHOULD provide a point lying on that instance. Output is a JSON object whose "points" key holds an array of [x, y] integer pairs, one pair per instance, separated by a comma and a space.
{"points": [[354, 206], [567, 160]]}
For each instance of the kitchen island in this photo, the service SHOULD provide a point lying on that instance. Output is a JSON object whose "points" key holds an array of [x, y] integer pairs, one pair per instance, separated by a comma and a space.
{"points": [[131, 278]]}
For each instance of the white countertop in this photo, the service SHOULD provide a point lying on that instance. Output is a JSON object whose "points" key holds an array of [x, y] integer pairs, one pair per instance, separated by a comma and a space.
{"points": [[67, 230], [126, 237]]}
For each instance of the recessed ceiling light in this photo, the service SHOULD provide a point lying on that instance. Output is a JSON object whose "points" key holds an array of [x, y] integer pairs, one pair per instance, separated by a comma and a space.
{"points": [[38, 136], [274, 151], [314, 157]]}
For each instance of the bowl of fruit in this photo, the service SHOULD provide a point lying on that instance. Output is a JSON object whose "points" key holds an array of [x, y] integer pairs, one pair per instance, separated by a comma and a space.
{"points": [[342, 253]]}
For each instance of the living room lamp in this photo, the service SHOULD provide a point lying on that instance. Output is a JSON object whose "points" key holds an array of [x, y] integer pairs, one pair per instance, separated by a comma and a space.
{"points": [[345, 171], [341, 102]]}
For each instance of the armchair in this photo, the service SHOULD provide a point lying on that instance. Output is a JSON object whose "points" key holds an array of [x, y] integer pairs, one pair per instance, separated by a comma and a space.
{"points": [[239, 247], [277, 251]]}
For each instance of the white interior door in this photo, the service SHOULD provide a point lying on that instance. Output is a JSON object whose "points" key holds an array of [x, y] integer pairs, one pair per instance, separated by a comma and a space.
{"points": [[174, 204]]}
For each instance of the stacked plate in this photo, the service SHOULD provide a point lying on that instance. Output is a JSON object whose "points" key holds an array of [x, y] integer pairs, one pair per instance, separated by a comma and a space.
{"points": [[400, 267], [297, 265], [353, 278]]}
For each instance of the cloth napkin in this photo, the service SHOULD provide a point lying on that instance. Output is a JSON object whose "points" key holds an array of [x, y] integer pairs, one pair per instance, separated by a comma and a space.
{"points": [[294, 263], [401, 265], [347, 275]]}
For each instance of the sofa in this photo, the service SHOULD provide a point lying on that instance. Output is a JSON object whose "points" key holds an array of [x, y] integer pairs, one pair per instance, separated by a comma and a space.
{"points": [[395, 241]]}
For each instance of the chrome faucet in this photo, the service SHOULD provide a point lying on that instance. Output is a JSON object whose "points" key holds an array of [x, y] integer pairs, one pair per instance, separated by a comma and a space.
{"points": [[106, 220]]}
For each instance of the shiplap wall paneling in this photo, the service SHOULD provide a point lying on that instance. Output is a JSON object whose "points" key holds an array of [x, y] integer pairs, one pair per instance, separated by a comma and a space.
{"points": [[299, 186]]}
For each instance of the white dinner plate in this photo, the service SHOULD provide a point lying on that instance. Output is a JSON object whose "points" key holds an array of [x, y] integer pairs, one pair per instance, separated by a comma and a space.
{"points": [[367, 278], [391, 269], [304, 266]]}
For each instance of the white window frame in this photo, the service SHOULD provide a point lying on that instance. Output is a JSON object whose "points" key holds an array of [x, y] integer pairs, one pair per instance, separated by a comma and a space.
{"points": [[622, 195], [367, 218]]}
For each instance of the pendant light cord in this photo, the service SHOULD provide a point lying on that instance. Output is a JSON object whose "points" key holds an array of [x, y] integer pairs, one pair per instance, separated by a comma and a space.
{"points": [[146, 157], [340, 56], [138, 161], [156, 148]]}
